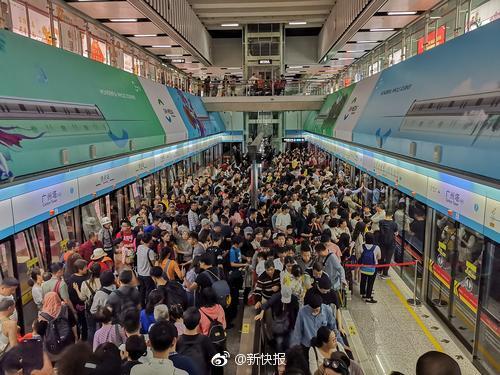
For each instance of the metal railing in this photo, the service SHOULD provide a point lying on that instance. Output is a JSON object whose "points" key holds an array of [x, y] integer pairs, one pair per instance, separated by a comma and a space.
{"points": [[264, 88]]}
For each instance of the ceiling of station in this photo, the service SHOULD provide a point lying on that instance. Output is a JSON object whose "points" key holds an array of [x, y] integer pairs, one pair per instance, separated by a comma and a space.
{"points": [[228, 16], [125, 19], [215, 13], [388, 20]]}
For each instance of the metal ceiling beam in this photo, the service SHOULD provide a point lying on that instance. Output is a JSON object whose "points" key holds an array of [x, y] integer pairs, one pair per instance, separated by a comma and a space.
{"points": [[180, 22], [345, 19]]}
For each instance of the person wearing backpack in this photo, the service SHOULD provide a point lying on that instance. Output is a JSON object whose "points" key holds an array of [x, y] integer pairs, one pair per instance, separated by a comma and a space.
{"points": [[101, 296], [213, 319], [125, 297], [387, 242], [370, 257], [61, 328], [146, 258], [194, 345], [211, 276], [173, 291], [86, 292], [108, 332]]}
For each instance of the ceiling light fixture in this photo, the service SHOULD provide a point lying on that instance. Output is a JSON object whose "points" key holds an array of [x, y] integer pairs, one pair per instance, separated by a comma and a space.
{"points": [[173, 55], [382, 29], [123, 19], [297, 23], [162, 46], [144, 35], [367, 41], [435, 17], [230, 24], [295, 67], [402, 13], [233, 68]]}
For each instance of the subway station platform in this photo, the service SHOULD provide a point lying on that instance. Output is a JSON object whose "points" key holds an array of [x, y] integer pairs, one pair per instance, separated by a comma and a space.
{"points": [[391, 335]]}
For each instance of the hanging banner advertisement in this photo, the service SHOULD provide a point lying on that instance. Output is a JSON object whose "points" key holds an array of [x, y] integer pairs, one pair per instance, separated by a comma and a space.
{"points": [[98, 51], [434, 39], [354, 107], [165, 110], [19, 18]]}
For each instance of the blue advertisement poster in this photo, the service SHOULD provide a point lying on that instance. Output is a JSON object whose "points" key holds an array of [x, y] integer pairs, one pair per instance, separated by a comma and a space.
{"points": [[447, 100], [196, 119]]}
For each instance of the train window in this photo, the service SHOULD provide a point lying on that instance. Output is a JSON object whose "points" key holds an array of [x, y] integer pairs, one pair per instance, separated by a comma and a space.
{"points": [[479, 101], [22, 107], [430, 105], [53, 108], [451, 103]]}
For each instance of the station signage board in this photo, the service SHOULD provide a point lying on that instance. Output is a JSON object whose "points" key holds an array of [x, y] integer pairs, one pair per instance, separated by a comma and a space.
{"points": [[265, 62]]}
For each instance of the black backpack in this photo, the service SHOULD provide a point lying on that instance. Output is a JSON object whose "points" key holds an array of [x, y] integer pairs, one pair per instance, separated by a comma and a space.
{"points": [[176, 294], [59, 334], [194, 351], [216, 333], [90, 301], [126, 303]]}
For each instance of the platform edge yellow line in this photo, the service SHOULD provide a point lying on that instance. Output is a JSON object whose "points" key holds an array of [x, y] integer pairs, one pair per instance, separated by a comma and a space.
{"points": [[417, 319]]}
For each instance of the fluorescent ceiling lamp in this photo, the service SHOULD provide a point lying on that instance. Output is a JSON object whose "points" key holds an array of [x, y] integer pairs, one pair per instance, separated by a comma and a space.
{"points": [[144, 35], [382, 29], [297, 23], [162, 46], [230, 24], [401, 13], [352, 51], [366, 41], [233, 68], [295, 67], [173, 55], [435, 17], [123, 19], [345, 58]]}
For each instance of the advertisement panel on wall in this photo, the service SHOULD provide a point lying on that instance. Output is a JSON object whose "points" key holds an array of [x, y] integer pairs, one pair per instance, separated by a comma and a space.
{"points": [[325, 121], [457, 111], [197, 121], [99, 105], [354, 107], [166, 110]]}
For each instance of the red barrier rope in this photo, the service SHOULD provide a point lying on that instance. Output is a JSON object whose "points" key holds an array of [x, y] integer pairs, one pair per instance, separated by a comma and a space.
{"points": [[381, 265]]}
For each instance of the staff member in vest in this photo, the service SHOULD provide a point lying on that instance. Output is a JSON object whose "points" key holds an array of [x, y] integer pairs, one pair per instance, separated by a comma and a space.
{"points": [[370, 256]]}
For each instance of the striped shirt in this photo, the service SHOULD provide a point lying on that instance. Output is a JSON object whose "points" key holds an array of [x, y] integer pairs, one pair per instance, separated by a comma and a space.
{"points": [[265, 284], [109, 333]]}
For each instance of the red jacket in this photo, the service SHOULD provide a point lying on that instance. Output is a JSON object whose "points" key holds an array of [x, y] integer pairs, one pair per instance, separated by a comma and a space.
{"points": [[87, 248]]}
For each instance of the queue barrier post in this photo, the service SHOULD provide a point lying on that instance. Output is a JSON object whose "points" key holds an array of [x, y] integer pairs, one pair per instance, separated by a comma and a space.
{"points": [[415, 301]]}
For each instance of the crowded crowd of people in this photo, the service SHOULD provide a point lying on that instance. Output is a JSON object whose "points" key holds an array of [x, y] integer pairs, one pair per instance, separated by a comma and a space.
{"points": [[158, 294]]}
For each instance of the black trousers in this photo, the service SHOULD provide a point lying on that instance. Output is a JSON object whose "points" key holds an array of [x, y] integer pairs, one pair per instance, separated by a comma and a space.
{"points": [[146, 285], [366, 286], [387, 253]]}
